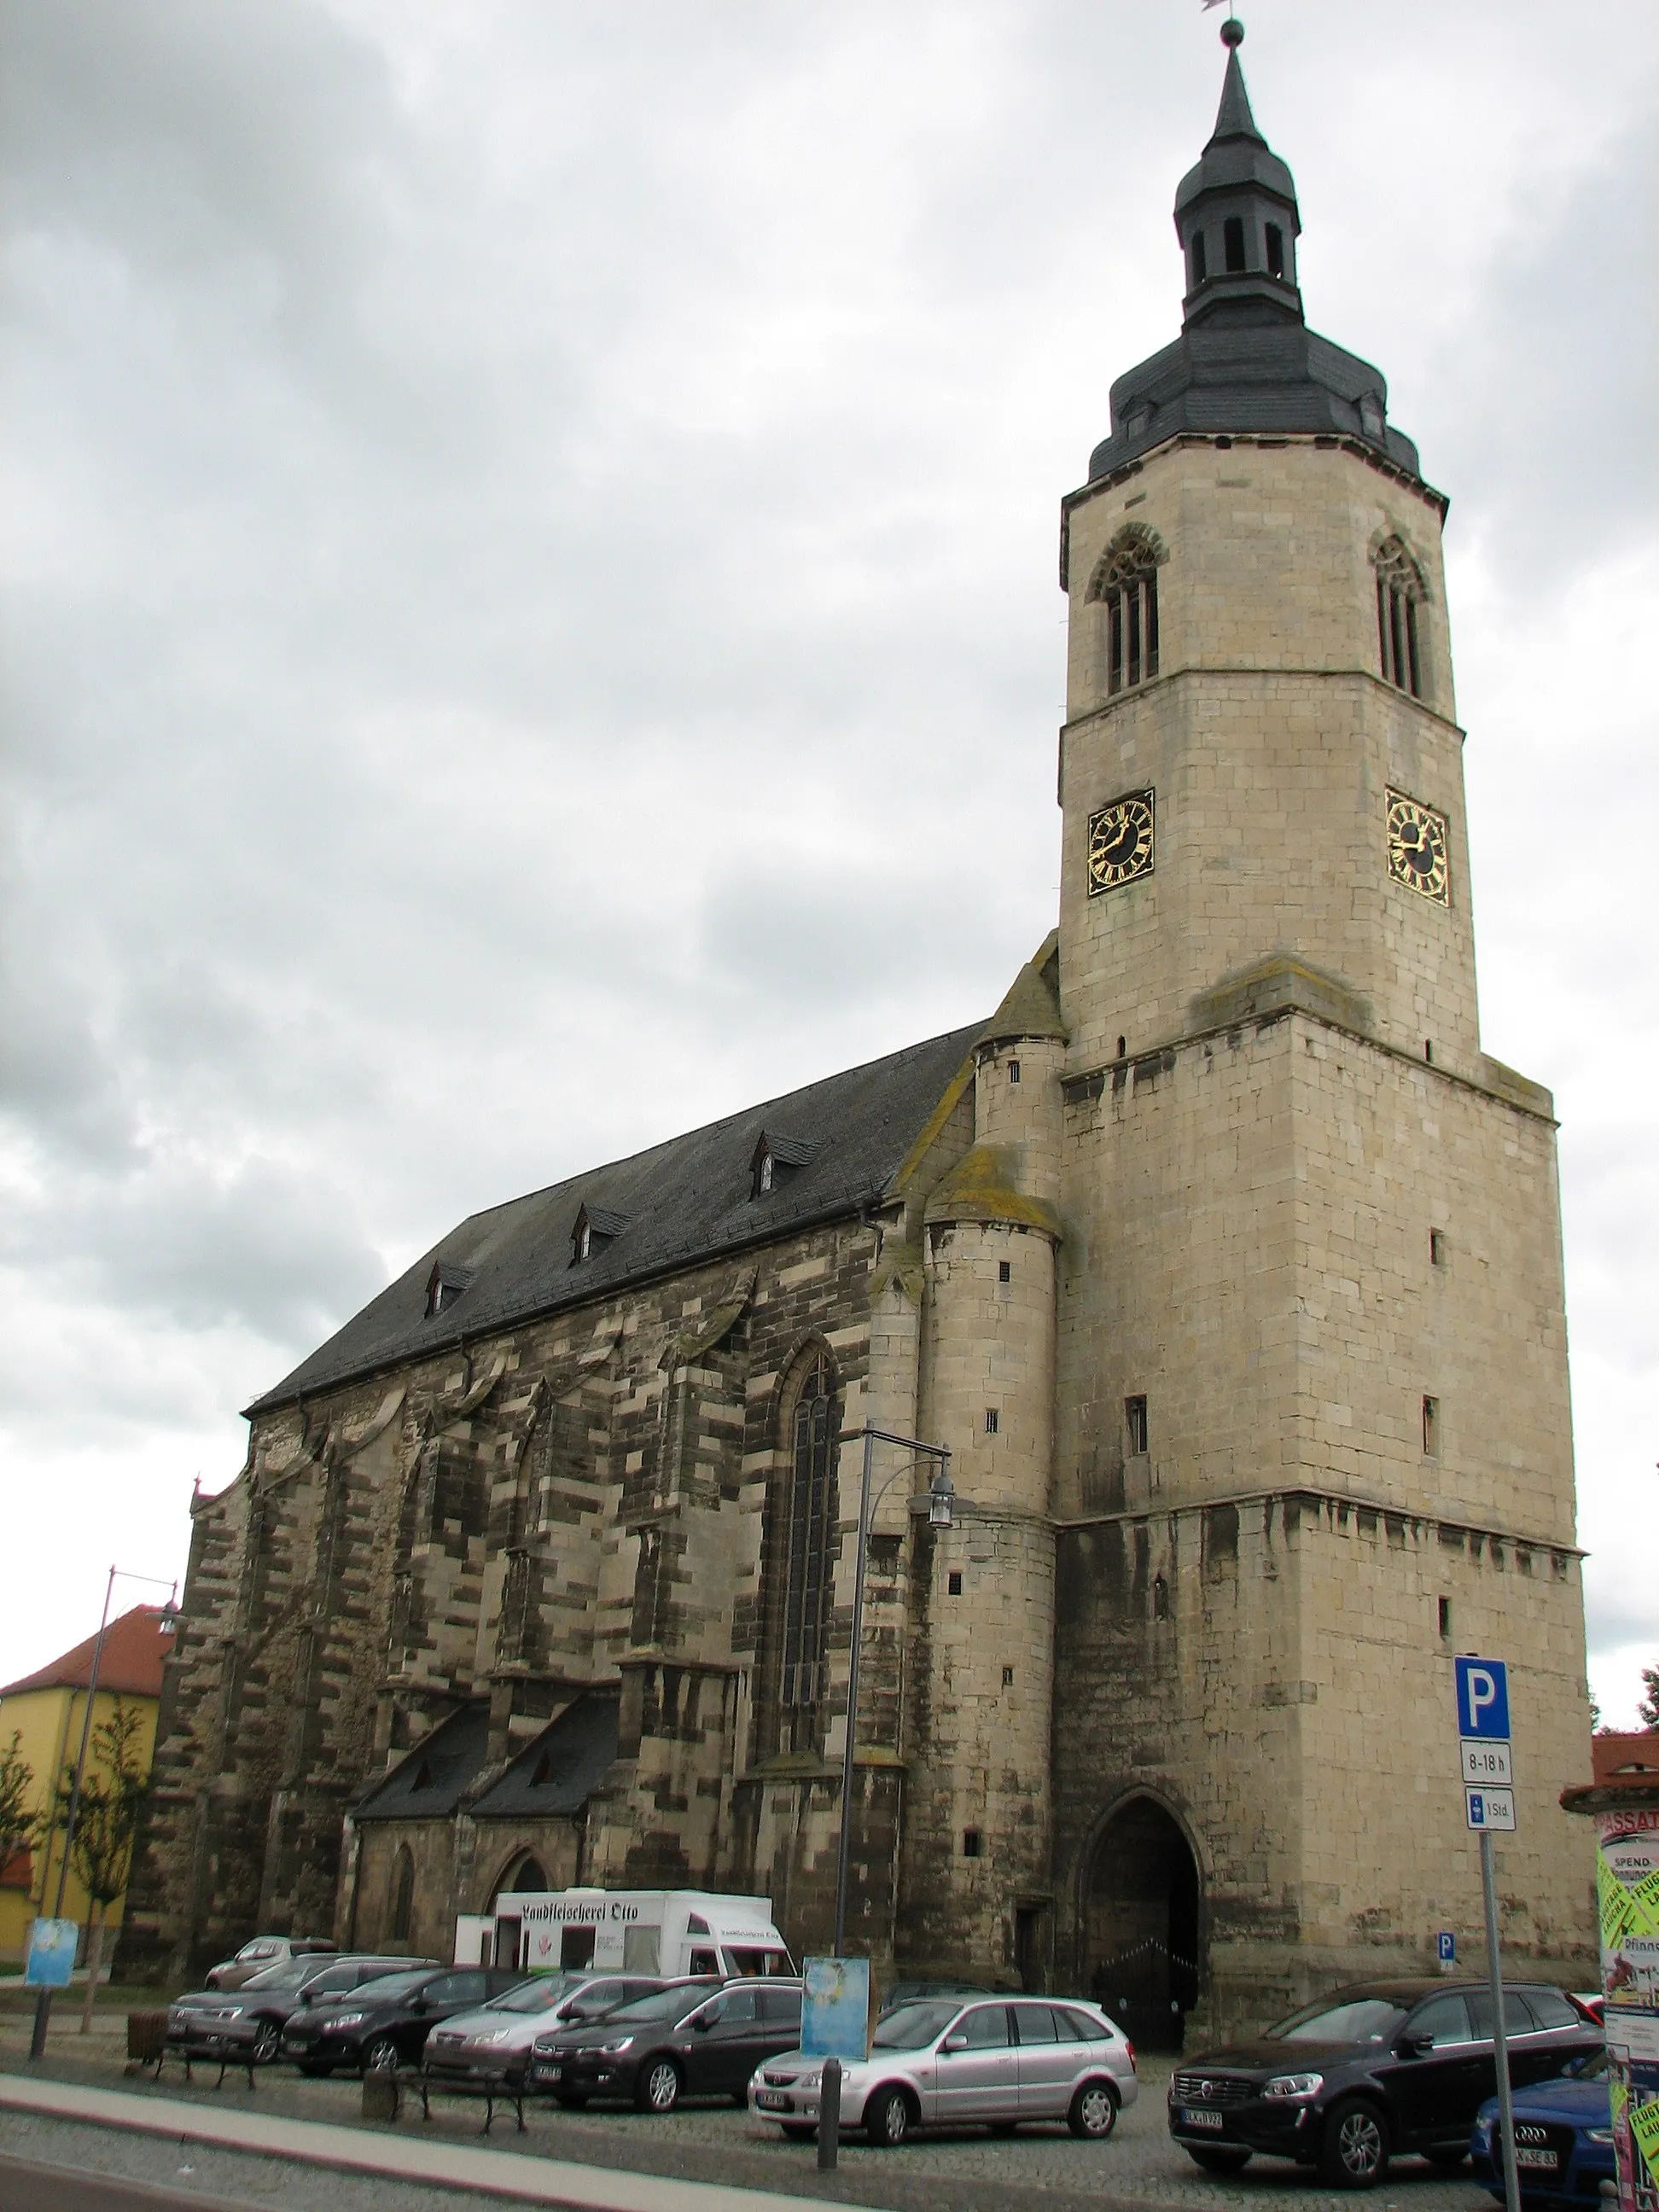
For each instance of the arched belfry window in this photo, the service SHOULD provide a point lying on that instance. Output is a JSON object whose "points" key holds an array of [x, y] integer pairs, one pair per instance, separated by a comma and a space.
{"points": [[403, 1894], [803, 1557], [1125, 584], [1400, 593]]}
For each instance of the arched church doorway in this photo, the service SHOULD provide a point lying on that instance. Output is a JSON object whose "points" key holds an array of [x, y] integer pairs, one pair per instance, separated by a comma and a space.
{"points": [[1142, 1924]]}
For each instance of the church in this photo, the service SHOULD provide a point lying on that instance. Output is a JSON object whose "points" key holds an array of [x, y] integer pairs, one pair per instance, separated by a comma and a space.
{"points": [[1220, 1258]]}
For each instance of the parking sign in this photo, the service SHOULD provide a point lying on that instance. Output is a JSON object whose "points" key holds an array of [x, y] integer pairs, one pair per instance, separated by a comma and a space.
{"points": [[1483, 1698]]}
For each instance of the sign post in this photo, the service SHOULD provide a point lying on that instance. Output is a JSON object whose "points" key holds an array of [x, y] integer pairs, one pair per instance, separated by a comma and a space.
{"points": [[1484, 1750], [834, 2026]]}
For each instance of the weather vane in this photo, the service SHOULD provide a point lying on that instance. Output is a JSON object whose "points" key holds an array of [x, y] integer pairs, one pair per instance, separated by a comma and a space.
{"points": [[1231, 24]]}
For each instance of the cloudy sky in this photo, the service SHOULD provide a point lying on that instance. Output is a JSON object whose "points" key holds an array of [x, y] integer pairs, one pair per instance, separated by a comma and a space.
{"points": [[531, 617]]}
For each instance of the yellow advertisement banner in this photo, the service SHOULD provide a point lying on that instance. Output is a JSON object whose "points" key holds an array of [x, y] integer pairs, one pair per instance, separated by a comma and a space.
{"points": [[1644, 2129]]}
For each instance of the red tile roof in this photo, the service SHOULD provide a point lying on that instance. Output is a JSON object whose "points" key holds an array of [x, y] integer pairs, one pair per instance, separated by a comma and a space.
{"points": [[135, 1645], [1626, 1758]]}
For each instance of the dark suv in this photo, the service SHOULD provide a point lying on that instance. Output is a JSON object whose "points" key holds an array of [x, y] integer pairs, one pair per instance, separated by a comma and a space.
{"points": [[1379, 2068], [694, 2038], [385, 2024], [247, 2023]]}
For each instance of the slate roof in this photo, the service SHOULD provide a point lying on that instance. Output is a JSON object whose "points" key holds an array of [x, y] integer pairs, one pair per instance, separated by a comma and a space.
{"points": [[561, 1770], [430, 1782], [135, 1644], [681, 1203]]}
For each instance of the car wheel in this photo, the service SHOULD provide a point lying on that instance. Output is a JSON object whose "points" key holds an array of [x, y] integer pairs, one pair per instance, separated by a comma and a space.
{"points": [[382, 2055], [1213, 2159], [800, 2130], [573, 2100], [659, 2086], [887, 2120], [1353, 2153], [318, 2069], [267, 2042], [1094, 2110], [1448, 2157]]}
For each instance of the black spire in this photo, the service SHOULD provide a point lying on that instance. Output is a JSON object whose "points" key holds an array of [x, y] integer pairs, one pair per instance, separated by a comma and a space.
{"points": [[1235, 213], [1245, 363]]}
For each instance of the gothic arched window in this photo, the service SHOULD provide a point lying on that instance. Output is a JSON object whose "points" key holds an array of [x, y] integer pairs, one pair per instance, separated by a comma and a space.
{"points": [[1400, 593], [403, 1894], [803, 1557], [1125, 583]]}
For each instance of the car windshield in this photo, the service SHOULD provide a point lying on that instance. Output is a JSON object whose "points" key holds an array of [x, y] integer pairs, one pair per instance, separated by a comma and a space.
{"points": [[1348, 2019], [539, 1995], [288, 1976], [662, 2004], [908, 2026]]}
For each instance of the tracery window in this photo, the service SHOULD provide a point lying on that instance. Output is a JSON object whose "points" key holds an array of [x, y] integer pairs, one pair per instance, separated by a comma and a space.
{"points": [[1125, 583], [1400, 593], [808, 1552]]}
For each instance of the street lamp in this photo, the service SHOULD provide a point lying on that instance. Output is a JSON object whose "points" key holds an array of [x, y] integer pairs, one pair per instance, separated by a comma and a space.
{"points": [[170, 1620], [942, 1504]]}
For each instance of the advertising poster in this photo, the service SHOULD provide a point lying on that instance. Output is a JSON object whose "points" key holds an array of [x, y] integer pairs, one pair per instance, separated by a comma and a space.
{"points": [[51, 1953], [835, 2013], [1627, 1895]]}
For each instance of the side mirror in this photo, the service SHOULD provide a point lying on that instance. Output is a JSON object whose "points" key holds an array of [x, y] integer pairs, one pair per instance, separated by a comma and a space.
{"points": [[702, 2023], [953, 2042], [1414, 2046]]}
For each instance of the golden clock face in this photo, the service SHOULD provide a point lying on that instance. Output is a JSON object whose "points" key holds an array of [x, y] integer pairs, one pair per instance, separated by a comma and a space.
{"points": [[1417, 848], [1120, 841]]}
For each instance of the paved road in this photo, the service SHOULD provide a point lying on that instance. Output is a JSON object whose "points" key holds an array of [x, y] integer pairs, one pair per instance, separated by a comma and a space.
{"points": [[27, 2185]]}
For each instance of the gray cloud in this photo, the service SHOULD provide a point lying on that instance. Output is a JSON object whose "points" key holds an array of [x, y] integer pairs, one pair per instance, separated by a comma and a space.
{"points": [[530, 557]]}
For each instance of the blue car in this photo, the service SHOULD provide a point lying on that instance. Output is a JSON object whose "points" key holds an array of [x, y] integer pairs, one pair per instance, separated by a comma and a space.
{"points": [[1563, 2138]]}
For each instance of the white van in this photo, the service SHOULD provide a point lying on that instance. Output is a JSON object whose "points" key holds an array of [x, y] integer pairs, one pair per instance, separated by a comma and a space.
{"points": [[639, 1931]]}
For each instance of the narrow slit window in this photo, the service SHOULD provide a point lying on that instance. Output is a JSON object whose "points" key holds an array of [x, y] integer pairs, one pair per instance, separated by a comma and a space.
{"points": [[1007, 1678], [1275, 251], [1430, 1428], [971, 1842], [1445, 1620], [1437, 1248], [993, 1420], [1013, 1071], [1201, 260], [953, 1582], [1005, 1271], [1232, 237], [1160, 1598], [1134, 1416]]}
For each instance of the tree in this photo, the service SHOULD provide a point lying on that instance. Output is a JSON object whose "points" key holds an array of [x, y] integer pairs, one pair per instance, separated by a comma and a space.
{"points": [[18, 1824], [105, 1824], [1648, 1711]]}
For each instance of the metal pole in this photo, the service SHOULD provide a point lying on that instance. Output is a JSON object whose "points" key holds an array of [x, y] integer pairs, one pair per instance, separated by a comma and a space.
{"points": [[42, 2001], [846, 1846], [1499, 2040]]}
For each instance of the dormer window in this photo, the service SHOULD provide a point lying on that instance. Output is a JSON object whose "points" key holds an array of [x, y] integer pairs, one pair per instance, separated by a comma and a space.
{"points": [[775, 1161], [596, 1226], [444, 1286], [1125, 583], [1400, 592]]}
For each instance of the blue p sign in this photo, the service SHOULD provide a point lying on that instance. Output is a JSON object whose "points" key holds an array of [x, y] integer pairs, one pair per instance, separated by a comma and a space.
{"points": [[1446, 1944], [1483, 1698]]}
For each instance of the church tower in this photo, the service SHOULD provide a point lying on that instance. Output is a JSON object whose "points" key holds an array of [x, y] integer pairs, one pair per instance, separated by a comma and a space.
{"points": [[1312, 1426]]}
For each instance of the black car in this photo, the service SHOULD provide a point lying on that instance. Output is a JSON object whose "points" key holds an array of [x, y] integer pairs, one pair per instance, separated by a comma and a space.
{"points": [[247, 2023], [385, 2024], [1369, 2071], [694, 2038]]}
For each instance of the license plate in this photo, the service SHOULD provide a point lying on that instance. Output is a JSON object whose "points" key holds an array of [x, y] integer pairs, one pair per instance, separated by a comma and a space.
{"points": [[1191, 2120], [549, 2073], [1536, 2162], [772, 2100]]}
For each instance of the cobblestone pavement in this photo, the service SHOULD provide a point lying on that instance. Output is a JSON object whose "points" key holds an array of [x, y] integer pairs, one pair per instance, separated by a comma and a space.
{"points": [[1045, 2169]]}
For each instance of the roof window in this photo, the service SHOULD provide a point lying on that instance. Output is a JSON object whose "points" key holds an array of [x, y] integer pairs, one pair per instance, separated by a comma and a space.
{"points": [[775, 1161], [595, 1227], [444, 1286]]}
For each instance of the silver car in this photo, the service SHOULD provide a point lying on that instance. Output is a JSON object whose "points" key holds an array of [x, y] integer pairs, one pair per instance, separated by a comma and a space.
{"points": [[492, 2043], [947, 2062]]}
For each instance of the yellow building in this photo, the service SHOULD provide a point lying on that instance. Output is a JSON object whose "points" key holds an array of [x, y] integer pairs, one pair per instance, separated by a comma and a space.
{"points": [[47, 1710]]}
